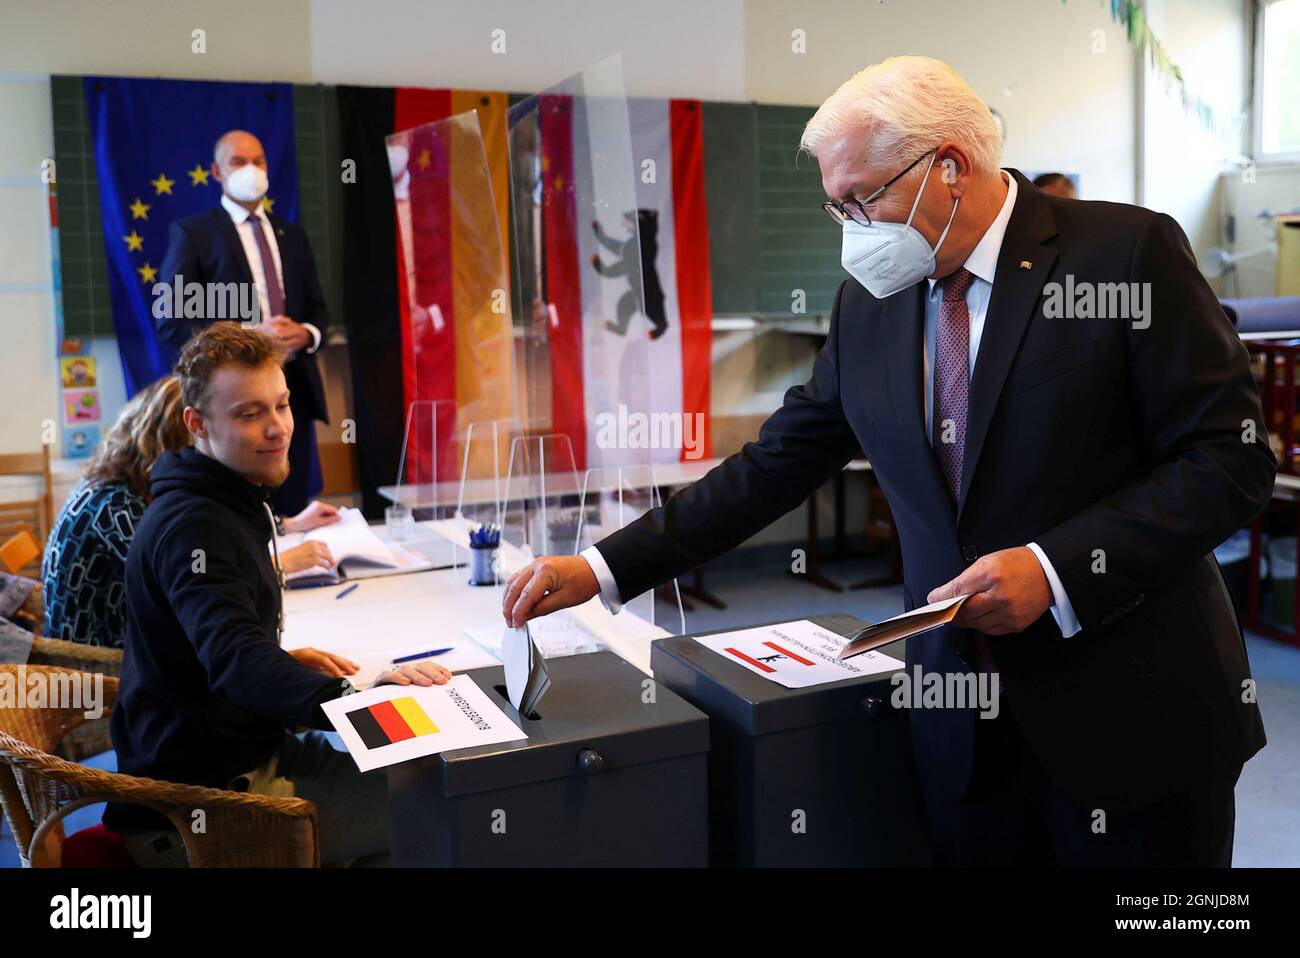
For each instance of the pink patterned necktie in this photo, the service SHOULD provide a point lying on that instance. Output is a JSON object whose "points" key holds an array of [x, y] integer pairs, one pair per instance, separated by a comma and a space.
{"points": [[952, 378], [274, 294], [951, 402]]}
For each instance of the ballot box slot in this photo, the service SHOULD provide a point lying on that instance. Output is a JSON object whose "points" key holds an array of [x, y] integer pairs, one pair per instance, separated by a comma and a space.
{"points": [[595, 718], [758, 706]]}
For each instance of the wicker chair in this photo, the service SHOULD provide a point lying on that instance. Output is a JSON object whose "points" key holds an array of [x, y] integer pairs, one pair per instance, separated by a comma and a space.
{"points": [[90, 737], [37, 789]]}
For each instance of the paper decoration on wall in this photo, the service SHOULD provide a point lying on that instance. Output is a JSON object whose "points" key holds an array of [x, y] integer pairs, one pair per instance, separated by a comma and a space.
{"points": [[1129, 14], [80, 442], [80, 406], [78, 371]]}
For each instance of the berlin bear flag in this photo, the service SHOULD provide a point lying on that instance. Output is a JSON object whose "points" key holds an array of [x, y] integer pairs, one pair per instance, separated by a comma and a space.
{"points": [[613, 192]]}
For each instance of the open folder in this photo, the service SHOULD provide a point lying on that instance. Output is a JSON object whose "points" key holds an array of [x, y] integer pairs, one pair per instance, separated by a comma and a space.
{"points": [[902, 626], [358, 553]]}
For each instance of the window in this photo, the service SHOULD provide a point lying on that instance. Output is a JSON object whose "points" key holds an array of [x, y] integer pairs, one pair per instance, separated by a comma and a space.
{"points": [[1277, 81]]}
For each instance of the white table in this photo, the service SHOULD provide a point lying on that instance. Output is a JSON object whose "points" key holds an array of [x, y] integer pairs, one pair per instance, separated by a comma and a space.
{"points": [[398, 614]]}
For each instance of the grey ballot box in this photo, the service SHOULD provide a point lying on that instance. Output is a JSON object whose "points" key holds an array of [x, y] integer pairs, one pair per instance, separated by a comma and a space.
{"points": [[833, 759], [614, 772]]}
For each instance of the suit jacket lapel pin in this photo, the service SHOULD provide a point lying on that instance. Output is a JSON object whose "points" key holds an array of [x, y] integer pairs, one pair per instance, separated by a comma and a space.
{"points": [[1025, 264]]}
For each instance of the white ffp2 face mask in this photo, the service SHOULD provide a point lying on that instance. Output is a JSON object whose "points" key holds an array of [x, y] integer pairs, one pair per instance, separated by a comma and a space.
{"points": [[248, 183], [887, 258]]}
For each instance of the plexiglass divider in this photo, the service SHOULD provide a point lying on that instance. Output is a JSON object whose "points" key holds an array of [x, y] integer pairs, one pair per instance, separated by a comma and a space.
{"points": [[426, 485], [541, 517], [578, 287], [612, 498]]}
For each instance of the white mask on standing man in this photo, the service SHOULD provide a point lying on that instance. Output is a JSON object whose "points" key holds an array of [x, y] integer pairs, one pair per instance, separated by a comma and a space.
{"points": [[248, 183], [887, 258]]}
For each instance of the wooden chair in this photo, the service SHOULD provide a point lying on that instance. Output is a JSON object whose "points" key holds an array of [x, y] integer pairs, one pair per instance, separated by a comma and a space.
{"points": [[37, 789], [36, 515]]}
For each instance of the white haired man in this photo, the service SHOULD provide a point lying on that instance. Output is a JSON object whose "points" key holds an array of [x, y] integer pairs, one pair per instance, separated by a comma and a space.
{"points": [[1069, 465]]}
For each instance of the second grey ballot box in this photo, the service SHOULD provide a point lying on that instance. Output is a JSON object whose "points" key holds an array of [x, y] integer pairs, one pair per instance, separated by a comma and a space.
{"points": [[820, 776], [614, 772]]}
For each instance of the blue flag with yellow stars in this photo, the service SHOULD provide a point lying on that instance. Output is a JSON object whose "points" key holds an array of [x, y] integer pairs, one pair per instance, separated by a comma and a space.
{"points": [[153, 155]]}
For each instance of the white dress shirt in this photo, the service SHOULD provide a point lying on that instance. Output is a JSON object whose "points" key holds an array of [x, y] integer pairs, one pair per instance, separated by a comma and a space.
{"points": [[244, 228], [982, 263]]}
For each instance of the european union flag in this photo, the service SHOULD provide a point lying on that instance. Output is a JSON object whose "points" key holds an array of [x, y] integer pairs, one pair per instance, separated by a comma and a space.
{"points": [[153, 153]]}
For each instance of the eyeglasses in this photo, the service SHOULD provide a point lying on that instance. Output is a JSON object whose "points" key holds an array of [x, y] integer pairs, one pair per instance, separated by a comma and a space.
{"points": [[855, 209]]}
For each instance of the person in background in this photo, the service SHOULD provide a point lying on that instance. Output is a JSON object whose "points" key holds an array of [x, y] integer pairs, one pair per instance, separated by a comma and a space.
{"points": [[1056, 184], [239, 241], [84, 566]]}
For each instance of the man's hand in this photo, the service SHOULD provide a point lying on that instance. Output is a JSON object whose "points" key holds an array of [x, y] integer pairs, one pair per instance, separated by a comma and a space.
{"points": [[546, 585], [292, 336], [316, 514], [1009, 591], [306, 556], [424, 673], [326, 662]]}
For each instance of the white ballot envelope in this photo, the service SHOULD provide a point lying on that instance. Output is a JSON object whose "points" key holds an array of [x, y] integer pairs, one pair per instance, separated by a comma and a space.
{"points": [[527, 679], [903, 626]]}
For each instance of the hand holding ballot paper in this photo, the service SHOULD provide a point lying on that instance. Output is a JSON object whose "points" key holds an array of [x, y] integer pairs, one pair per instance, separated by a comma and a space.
{"points": [[903, 626], [526, 677]]}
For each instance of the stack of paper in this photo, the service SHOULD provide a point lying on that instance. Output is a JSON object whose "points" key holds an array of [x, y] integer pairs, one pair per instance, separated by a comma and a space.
{"points": [[527, 679]]}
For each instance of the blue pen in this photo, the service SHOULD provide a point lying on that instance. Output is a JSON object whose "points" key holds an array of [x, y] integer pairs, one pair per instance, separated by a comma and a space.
{"points": [[349, 590], [421, 655]]}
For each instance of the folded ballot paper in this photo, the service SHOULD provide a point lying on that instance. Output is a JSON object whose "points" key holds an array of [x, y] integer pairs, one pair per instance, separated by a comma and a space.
{"points": [[526, 677], [358, 553], [903, 626]]}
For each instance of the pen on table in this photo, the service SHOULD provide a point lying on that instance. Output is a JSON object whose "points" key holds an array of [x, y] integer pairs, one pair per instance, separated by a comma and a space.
{"points": [[349, 590], [421, 655]]}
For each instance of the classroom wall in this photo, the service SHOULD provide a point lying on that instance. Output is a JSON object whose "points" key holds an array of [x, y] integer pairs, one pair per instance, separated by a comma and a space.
{"points": [[669, 48], [27, 346], [1182, 161], [1065, 106]]}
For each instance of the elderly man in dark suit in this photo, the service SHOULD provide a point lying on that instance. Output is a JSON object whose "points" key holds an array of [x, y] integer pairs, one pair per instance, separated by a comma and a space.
{"points": [[1065, 424], [240, 242]]}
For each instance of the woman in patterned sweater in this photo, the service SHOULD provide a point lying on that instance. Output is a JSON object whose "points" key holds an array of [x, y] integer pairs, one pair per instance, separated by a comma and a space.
{"points": [[85, 558]]}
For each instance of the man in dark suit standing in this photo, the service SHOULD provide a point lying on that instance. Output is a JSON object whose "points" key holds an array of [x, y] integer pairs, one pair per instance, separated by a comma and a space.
{"points": [[1065, 424], [240, 242]]}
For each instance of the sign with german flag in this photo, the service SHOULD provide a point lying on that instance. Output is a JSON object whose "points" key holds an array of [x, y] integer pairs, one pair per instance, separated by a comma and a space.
{"points": [[395, 723]]}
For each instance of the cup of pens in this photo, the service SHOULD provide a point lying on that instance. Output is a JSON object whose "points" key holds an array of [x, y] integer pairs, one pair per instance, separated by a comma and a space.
{"points": [[483, 544]]}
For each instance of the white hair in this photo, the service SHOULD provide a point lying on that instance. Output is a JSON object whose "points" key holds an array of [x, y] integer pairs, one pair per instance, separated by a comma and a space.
{"points": [[913, 104]]}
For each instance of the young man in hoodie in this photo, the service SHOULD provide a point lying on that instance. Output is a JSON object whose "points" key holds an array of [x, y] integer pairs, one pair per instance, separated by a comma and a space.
{"points": [[207, 695]]}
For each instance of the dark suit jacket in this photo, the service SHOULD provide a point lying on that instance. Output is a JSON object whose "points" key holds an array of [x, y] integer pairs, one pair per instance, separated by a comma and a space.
{"points": [[205, 248], [1102, 442]]}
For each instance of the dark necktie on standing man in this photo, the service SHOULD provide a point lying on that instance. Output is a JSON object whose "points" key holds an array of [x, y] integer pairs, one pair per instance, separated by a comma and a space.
{"points": [[951, 402], [274, 294]]}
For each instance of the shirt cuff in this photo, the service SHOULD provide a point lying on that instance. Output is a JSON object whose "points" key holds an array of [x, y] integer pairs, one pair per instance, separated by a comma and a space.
{"points": [[1062, 610], [315, 338], [609, 596]]}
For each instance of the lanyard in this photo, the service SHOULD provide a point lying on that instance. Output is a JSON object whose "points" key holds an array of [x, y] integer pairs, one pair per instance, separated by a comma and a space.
{"points": [[279, 576]]}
